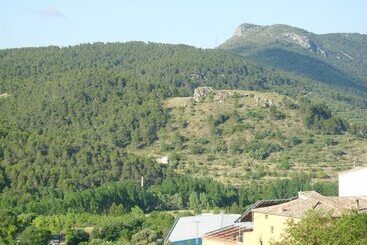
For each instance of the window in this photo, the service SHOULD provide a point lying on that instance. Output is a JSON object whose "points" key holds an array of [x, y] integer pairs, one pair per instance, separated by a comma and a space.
{"points": [[266, 216], [272, 229]]}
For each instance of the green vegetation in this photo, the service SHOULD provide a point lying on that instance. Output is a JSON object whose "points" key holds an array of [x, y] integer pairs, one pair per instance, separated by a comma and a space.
{"points": [[31, 236], [320, 117], [320, 228], [81, 125], [239, 139], [115, 212], [74, 113], [75, 237]]}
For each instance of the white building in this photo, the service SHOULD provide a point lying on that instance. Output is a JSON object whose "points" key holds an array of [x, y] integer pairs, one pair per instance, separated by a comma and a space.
{"points": [[163, 160], [353, 182], [190, 230]]}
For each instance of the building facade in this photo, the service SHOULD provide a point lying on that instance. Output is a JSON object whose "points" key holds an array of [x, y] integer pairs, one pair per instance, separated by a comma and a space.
{"points": [[270, 223], [353, 182]]}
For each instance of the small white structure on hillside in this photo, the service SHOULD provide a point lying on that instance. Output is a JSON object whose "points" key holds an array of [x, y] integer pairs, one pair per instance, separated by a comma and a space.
{"points": [[163, 160], [353, 182]]}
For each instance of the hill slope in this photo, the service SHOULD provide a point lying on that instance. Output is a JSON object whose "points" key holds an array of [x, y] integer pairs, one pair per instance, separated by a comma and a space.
{"points": [[80, 126], [238, 136], [337, 59], [71, 113]]}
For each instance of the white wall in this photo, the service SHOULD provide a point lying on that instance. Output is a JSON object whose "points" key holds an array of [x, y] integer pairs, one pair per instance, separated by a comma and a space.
{"points": [[353, 183]]}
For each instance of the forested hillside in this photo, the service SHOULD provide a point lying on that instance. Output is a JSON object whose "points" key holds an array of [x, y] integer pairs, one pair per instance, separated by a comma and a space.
{"points": [[77, 125]]}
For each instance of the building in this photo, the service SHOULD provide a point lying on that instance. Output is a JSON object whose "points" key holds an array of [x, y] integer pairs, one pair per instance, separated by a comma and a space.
{"points": [[229, 235], [353, 182], [163, 160], [232, 234], [190, 230], [270, 222]]}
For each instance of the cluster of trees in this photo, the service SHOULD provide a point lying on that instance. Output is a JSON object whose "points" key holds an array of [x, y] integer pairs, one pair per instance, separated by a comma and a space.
{"points": [[121, 228], [176, 192], [117, 210], [124, 168], [319, 116], [322, 228]]}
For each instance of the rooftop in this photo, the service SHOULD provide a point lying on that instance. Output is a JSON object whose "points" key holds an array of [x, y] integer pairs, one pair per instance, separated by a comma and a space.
{"points": [[356, 169], [247, 216], [191, 227], [230, 233], [312, 200]]}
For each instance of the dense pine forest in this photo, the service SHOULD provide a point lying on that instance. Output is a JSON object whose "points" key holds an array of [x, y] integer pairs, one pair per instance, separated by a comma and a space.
{"points": [[75, 122]]}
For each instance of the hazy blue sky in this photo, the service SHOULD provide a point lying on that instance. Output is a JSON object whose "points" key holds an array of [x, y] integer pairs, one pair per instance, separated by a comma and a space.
{"points": [[201, 23]]}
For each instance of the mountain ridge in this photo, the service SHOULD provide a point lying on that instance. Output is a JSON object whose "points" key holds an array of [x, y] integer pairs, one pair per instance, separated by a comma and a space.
{"points": [[339, 55]]}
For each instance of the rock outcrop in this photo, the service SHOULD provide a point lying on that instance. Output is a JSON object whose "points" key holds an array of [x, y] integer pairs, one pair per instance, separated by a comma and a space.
{"points": [[239, 32], [202, 92], [4, 95], [303, 42], [221, 96], [218, 96]]}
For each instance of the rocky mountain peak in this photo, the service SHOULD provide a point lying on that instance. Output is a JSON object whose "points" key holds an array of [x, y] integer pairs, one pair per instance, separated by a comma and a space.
{"points": [[239, 32]]}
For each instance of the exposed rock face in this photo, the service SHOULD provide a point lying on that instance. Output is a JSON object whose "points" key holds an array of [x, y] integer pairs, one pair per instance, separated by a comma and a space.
{"points": [[218, 96], [4, 95], [221, 96], [266, 102], [303, 42], [202, 92], [280, 32], [239, 32]]}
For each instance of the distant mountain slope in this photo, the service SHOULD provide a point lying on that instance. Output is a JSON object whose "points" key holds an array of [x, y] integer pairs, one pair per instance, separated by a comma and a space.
{"points": [[337, 59], [72, 112]]}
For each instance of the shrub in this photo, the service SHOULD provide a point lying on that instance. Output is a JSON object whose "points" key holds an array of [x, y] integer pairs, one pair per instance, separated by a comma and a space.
{"points": [[31, 236], [319, 116], [197, 149], [294, 140], [110, 232], [261, 150], [210, 158], [331, 141], [221, 119], [286, 164], [221, 146], [145, 236], [276, 114], [235, 148], [338, 153]]}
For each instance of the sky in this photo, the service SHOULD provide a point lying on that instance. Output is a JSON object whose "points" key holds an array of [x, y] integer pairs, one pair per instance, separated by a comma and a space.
{"points": [[201, 23]]}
